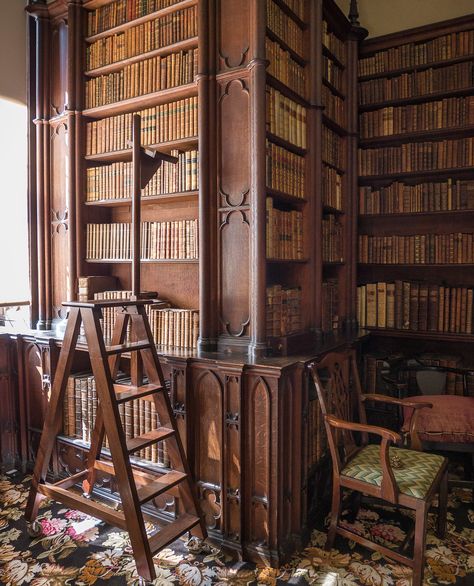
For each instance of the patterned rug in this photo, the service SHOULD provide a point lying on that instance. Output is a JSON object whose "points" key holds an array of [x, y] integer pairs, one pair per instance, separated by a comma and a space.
{"points": [[74, 549]]}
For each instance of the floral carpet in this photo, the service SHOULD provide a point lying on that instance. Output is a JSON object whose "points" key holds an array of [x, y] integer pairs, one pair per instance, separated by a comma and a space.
{"points": [[74, 549]]}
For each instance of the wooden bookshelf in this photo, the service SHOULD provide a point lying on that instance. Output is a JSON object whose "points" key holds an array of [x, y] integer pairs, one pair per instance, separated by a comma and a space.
{"points": [[441, 199]]}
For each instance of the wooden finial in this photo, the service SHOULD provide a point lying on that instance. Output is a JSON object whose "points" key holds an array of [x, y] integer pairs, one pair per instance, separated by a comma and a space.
{"points": [[354, 13]]}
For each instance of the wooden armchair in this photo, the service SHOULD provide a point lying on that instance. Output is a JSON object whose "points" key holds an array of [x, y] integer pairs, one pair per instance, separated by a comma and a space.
{"points": [[399, 476]]}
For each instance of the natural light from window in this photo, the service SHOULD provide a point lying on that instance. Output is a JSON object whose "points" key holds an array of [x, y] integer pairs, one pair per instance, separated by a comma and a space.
{"points": [[14, 283]]}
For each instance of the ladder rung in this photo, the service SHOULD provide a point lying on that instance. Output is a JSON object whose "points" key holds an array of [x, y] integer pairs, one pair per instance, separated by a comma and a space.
{"points": [[130, 393], [163, 484], [129, 347], [71, 480], [171, 532], [77, 501], [152, 437]]}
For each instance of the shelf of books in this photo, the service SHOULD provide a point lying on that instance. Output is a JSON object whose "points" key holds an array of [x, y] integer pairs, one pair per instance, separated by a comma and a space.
{"points": [[416, 191], [142, 58]]}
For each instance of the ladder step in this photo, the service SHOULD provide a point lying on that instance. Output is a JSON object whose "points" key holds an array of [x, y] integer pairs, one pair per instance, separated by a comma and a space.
{"points": [[159, 486], [77, 501], [130, 347], [171, 532], [130, 393], [152, 437]]}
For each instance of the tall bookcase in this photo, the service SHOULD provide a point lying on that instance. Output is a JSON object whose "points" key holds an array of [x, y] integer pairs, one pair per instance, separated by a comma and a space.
{"points": [[416, 192], [267, 171]]}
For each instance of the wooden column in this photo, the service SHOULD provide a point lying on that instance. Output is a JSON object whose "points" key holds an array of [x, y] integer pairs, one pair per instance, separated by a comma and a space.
{"points": [[207, 176], [41, 117], [257, 67]]}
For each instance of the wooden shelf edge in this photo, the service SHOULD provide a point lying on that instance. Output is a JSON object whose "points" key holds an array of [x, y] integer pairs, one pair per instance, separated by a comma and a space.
{"points": [[442, 336], [334, 126], [145, 101], [286, 91], [419, 135], [427, 173], [331, 210], [327, 51], [126, 154], [287, 260], [407, 215], [183, 45], [417, 99], [287, 10], [293, 54], [333, 88], [152, 199], [285, 197], [289, 146], [158, 260], [415, 265]]}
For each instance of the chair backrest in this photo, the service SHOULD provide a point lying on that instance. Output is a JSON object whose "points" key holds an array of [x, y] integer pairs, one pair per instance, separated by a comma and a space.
{"points": [[338, 386]]}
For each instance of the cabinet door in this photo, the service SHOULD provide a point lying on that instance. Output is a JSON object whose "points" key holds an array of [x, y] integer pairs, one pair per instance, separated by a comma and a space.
{"points": [[9, 409]]}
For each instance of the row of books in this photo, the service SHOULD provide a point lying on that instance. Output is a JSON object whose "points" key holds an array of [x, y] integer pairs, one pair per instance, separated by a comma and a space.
{"points": [[330, 305], [146, 37], [114, 181], [418, 156], [121, 11], [283, 305], [285, 171], [333, 73], [284, 233], [333, 239], [333, 43], [297, 6], [332, 148], [167, 122], [334, 106], [331, 186], [409, 305], [159, 240], [137, 417], [415, 117], [418, 83], [144, 77], [107, 321], [413, 54], [455, 248], [286, 118], [400, 198], [285, 28], [284, 68], [175, 328]]}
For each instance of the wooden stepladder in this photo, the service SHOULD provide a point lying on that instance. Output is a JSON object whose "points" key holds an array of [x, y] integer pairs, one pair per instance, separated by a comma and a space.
{"points": [[135, 488]]}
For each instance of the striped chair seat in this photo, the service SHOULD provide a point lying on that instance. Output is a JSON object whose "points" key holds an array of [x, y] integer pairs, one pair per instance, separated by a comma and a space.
{"points": [[414, 478]]}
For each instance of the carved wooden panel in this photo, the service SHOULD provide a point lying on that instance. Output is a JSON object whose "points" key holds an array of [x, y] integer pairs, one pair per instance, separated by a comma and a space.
{"points": [[59, 56], [233, 40], [59, 217], [178, 400], [8, 411]]}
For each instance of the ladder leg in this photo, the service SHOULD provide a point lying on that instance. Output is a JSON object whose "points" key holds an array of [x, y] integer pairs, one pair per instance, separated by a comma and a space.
{"points": [[97, 438], [162, 402], [54, 413], [118, 447]]}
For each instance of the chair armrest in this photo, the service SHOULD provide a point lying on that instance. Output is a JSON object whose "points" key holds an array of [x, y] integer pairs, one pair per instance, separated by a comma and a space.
{"points": [[394, 401], [389, 487], [363, 427]]}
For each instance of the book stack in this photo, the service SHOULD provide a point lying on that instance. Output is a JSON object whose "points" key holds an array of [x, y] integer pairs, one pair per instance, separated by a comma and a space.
{"points": [[333, 148], [143, 38], [88, 286], [285, 118], [454, 248], [419, 83], [285, 171], [115, 181], [331, 185], [285, 68], [283, 27], [416, 306], [144, 77], [400, 198], [332, 242], [284, 233], [450, 112], [333, 106], [413, 54], [417, 156], [175, 328], [122, 11], [333, 73], [283, 310], [160, 240], [173, 121], [137, 417], [330, 304]]}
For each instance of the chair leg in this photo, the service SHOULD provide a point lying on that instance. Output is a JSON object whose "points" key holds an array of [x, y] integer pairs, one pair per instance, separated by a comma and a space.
{"points": [[335, 512], [419, 547], [442, 506]]}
